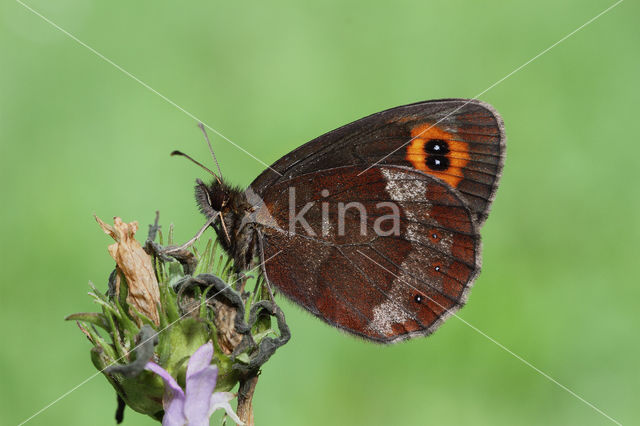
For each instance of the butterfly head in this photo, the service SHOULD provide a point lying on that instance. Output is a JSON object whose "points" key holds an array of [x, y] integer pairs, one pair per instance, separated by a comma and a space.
{"points": [[214, 198], [229, 209]]}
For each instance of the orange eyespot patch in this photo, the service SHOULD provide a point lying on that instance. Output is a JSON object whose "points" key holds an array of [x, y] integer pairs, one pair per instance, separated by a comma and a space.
{"points": [[435, 152]]}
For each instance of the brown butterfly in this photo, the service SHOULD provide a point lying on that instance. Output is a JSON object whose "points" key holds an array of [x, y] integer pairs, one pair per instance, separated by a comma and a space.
{"points": [[372, 227]]}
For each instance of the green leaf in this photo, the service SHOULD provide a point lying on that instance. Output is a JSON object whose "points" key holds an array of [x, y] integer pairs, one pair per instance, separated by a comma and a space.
{"points": [[145, 319], [125, 321], [259, 336], [243, 358], [94, 318], [168, 299]]}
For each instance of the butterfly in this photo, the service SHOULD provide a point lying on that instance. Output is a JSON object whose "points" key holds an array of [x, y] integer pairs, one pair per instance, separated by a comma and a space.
{"points": [[372, 227]]}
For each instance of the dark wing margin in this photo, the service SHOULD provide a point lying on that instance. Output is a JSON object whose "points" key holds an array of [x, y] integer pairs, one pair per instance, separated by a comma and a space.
{"points": [[471, 130]]}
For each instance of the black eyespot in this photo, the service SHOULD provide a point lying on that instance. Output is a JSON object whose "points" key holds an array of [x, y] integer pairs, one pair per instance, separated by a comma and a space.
{"points": [[434, 236], [436, 146], [437, 268], [437, 162], [418, 298]]}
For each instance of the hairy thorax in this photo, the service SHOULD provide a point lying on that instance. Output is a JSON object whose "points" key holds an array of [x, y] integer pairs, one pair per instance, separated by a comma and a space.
{"points": [[237, 233]]}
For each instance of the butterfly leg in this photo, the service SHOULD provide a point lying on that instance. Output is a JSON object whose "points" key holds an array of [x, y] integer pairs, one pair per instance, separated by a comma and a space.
{"points": [[194, 239], [266, 279], [224, 227]]}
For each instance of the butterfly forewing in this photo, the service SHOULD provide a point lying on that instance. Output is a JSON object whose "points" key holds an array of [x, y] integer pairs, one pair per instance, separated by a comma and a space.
{"points": [[343, 251], [460, 141]]}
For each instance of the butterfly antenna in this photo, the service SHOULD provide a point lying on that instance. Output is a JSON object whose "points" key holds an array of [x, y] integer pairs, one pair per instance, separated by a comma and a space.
{"points": [[182, 154], [213, 154]]}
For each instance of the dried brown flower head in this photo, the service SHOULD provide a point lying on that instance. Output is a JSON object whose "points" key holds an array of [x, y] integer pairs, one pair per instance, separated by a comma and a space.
{"points": [[135, 265]]}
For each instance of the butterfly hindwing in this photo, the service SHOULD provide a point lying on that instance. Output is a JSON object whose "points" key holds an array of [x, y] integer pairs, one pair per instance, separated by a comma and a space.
{"points": [[460, 141], [354, 266]]}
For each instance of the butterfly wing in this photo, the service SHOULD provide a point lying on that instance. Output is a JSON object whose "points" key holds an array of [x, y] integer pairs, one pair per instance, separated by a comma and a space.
{"points": [[460, 141], [369, 275]]}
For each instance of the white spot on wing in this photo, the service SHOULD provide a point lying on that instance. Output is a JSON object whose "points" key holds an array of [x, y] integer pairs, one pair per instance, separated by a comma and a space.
{"points": [[403, 186], [388, 313]]}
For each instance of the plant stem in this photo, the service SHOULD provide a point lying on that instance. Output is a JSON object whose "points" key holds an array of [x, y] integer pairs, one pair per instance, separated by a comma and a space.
{"points": [[245, 398]]}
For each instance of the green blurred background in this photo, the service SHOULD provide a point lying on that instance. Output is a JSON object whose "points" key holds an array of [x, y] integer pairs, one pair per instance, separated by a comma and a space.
{"points": [[559, 285]]}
